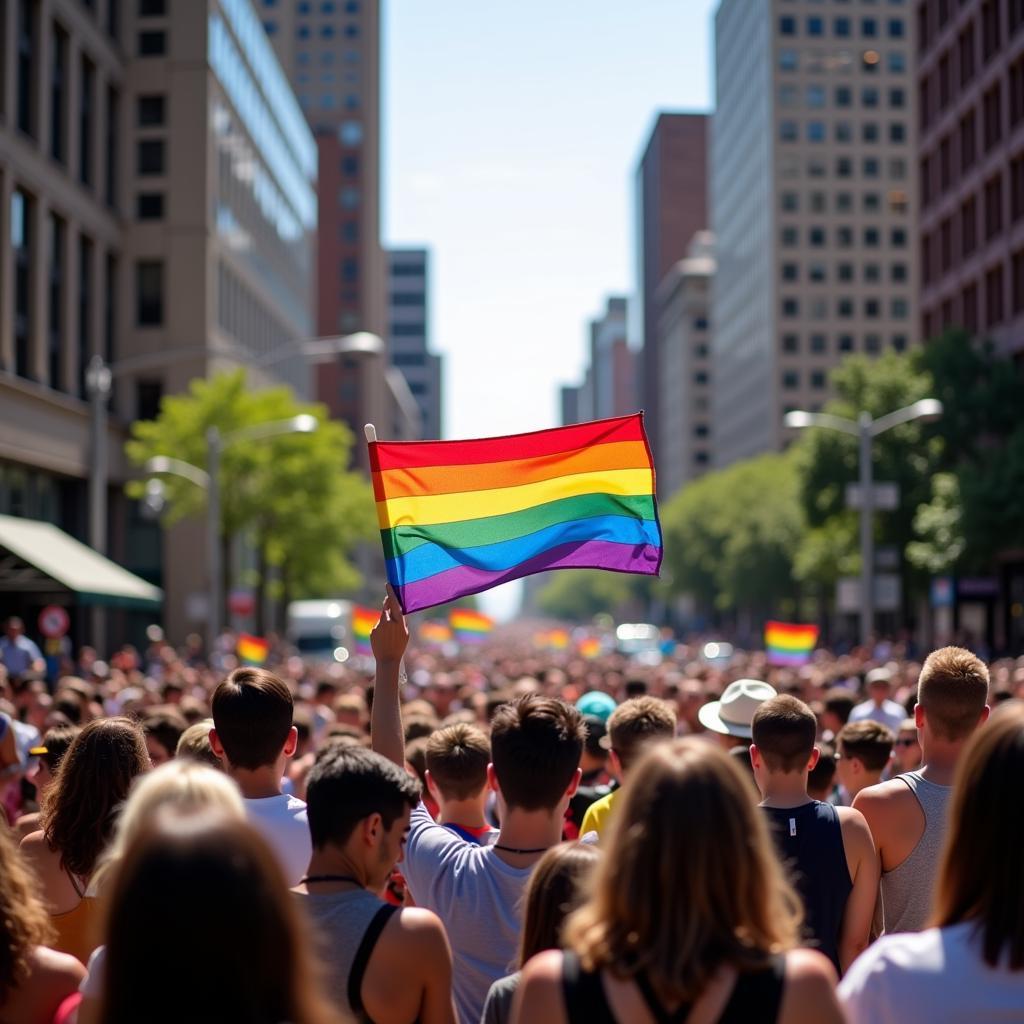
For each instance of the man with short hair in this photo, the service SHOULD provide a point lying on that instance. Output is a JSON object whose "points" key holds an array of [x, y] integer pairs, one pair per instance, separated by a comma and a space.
{"points": [[457, 757], [879, 707], [631, 727], [358, 807], [827, 849], [477, 891], [864, 750], [907, 814], [837, 706], [18, 654], [253, 736]]}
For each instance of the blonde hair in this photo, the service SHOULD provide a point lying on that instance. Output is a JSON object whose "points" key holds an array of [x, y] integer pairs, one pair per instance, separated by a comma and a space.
{"points": [[690, 879], [953, 690], [182, 784]]}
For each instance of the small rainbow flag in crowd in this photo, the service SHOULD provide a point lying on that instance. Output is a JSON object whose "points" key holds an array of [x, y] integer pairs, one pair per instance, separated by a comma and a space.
{"points": [[590, 647], [469, 626], [363, 621], [787, 643], [251, 650], [552, 639], [435, 633], [459, 517]]}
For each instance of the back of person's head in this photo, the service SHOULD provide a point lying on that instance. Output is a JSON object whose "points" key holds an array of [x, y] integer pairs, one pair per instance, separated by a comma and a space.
{"points": [[24, 921], [416, 757], [784, 729], [840, 703], [952, 690], [556, 888], [457, 757], [536, 744], [689, 878], [252, 713], [979, 877], [79, 810], [821, 777], [250, 961], [350, 783], [637, 722], [58, 742], [194, 744], [182, 784], [870, 742], [164, 725]]}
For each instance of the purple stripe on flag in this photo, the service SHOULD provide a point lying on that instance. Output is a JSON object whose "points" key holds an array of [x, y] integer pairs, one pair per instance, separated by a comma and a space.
{"points": [[592, 554], [776, 656]]}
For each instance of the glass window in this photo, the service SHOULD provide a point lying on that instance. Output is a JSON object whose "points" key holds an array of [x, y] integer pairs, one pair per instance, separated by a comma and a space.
{"points": [[899, 342], [817, 272], [788, 131], [844, 308], [349, 197], [897, 62], [149, 206], [869, 96], [58, 94], [896, 98], [788, 96], [815, 26], [152, 8], [844, 202], [872, 344], [790, 307], [845, 342], [326, 31], [872, 273], [845, 272], [868, 28], [818, 379], [869, 132], [872, 202], [150, 156], [841, 27], [789, 60], [789, 202], [302, 32], [819, 343], [844, 237], [818, 202], [872, 309], [816, 236], [870, 167], [898, 272], [790, 271], [872, 237], [152, 44], [898, 309], [844, 97], [897, 132], [149, 293], [350, 133], [351, 31], [151, 111], [86, 121], [789, 237], [816, 168], [815, 96], [790, 343], [790, 379], [787, 25], [895, 28], [815, 131]]}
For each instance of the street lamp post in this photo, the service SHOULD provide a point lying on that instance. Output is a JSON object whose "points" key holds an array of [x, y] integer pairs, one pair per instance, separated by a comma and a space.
{"points": [[209, 480], [866, 429]]}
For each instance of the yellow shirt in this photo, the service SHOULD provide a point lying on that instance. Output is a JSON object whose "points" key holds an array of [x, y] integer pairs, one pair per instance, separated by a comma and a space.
{"points": [[599, 814]]}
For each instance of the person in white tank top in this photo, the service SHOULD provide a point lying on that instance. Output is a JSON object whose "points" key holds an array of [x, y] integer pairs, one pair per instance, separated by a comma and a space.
{"points": [[970, 965]]}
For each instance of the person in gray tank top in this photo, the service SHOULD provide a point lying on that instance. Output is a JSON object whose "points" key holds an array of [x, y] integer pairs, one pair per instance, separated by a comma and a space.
{"points": [[907, 814], [359, 805]]}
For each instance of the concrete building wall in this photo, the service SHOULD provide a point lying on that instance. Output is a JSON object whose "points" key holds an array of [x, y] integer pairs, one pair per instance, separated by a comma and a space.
{"points": [[813, 205], [671, 205], [970, 82]]}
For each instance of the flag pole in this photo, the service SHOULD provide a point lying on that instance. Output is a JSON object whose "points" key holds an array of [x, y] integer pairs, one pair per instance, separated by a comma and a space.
{"points": [[371, 433]]}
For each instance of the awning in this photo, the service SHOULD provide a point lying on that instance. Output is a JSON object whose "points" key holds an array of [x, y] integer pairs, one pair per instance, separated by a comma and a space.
{"points": [[39, 558]]}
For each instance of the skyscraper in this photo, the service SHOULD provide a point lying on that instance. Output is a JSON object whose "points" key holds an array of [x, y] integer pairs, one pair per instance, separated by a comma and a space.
{"points": [[157, 205], [331, 53], [813, 192], [971, 91], [671, 206], [409, 333]]}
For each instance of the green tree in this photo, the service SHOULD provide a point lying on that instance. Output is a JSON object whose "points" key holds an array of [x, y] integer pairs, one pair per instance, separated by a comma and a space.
{"points": [[294, 496], [731, 537], [577, 595]]}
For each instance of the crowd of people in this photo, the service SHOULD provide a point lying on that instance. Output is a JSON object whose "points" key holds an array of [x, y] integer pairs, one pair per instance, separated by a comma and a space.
{"points": [[508, 835]]}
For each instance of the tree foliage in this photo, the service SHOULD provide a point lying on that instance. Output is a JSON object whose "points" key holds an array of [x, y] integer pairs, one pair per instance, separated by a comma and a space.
{"points": [[294, 496], [577, 595]]}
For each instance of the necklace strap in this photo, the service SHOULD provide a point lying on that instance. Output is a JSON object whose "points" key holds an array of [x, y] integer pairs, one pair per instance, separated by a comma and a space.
{"points": [[306, 879], [512, 849]]}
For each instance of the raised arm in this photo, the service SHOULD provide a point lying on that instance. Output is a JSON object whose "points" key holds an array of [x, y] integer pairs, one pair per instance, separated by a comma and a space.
{"points": [[389, 639]]}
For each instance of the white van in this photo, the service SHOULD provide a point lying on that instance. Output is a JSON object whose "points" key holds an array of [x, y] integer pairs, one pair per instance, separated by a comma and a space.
{"points": [[321, 630]]}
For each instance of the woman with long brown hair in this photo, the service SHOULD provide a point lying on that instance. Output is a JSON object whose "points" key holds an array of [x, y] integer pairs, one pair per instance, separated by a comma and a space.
{"points": [[555, 890], [77, 818], [34, 980], [970, 964], [201, 896], [689, 917]]}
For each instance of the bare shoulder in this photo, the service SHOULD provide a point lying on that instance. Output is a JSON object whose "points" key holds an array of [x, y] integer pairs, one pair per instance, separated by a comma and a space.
{"points": [[33, 841], [544, 968], [885, 798], [417, 925], [36, 850], [853, 823], [809, 996], [59, 969]]}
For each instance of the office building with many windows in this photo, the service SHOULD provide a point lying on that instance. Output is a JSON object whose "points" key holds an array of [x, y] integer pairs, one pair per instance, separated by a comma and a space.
{"points": [[158, 208], [970, 82], [813, 202], [409, 334]]}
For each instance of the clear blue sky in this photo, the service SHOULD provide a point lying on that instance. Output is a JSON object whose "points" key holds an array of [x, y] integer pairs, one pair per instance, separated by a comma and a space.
{"points": [[511, 133]]}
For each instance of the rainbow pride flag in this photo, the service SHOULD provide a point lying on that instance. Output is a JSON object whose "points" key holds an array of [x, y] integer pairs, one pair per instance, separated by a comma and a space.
{"points": [[363, 621], [459, 517], [552, 639], [469, 626], [251, 650], [435, 633], [789, 644]]}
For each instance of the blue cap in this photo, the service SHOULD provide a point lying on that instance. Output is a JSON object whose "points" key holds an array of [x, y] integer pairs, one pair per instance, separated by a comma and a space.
{"points": [[596, 703]]}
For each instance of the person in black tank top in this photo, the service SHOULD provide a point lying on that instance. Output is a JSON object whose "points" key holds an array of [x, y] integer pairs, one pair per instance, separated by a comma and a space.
{"points": [[690, 912], [817, 842]]}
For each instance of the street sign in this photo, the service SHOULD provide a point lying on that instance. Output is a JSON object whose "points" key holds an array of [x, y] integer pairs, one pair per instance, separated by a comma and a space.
{"points": [[887, 588], [885, 497], [53, 621]]}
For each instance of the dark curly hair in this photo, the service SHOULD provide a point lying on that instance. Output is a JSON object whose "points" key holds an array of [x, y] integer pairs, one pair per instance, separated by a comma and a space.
{"points": [[79, 811], [24, 921]]}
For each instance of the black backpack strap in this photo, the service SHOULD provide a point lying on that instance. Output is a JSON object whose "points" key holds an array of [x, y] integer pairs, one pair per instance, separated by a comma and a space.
{"points": [[362, 958]]}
